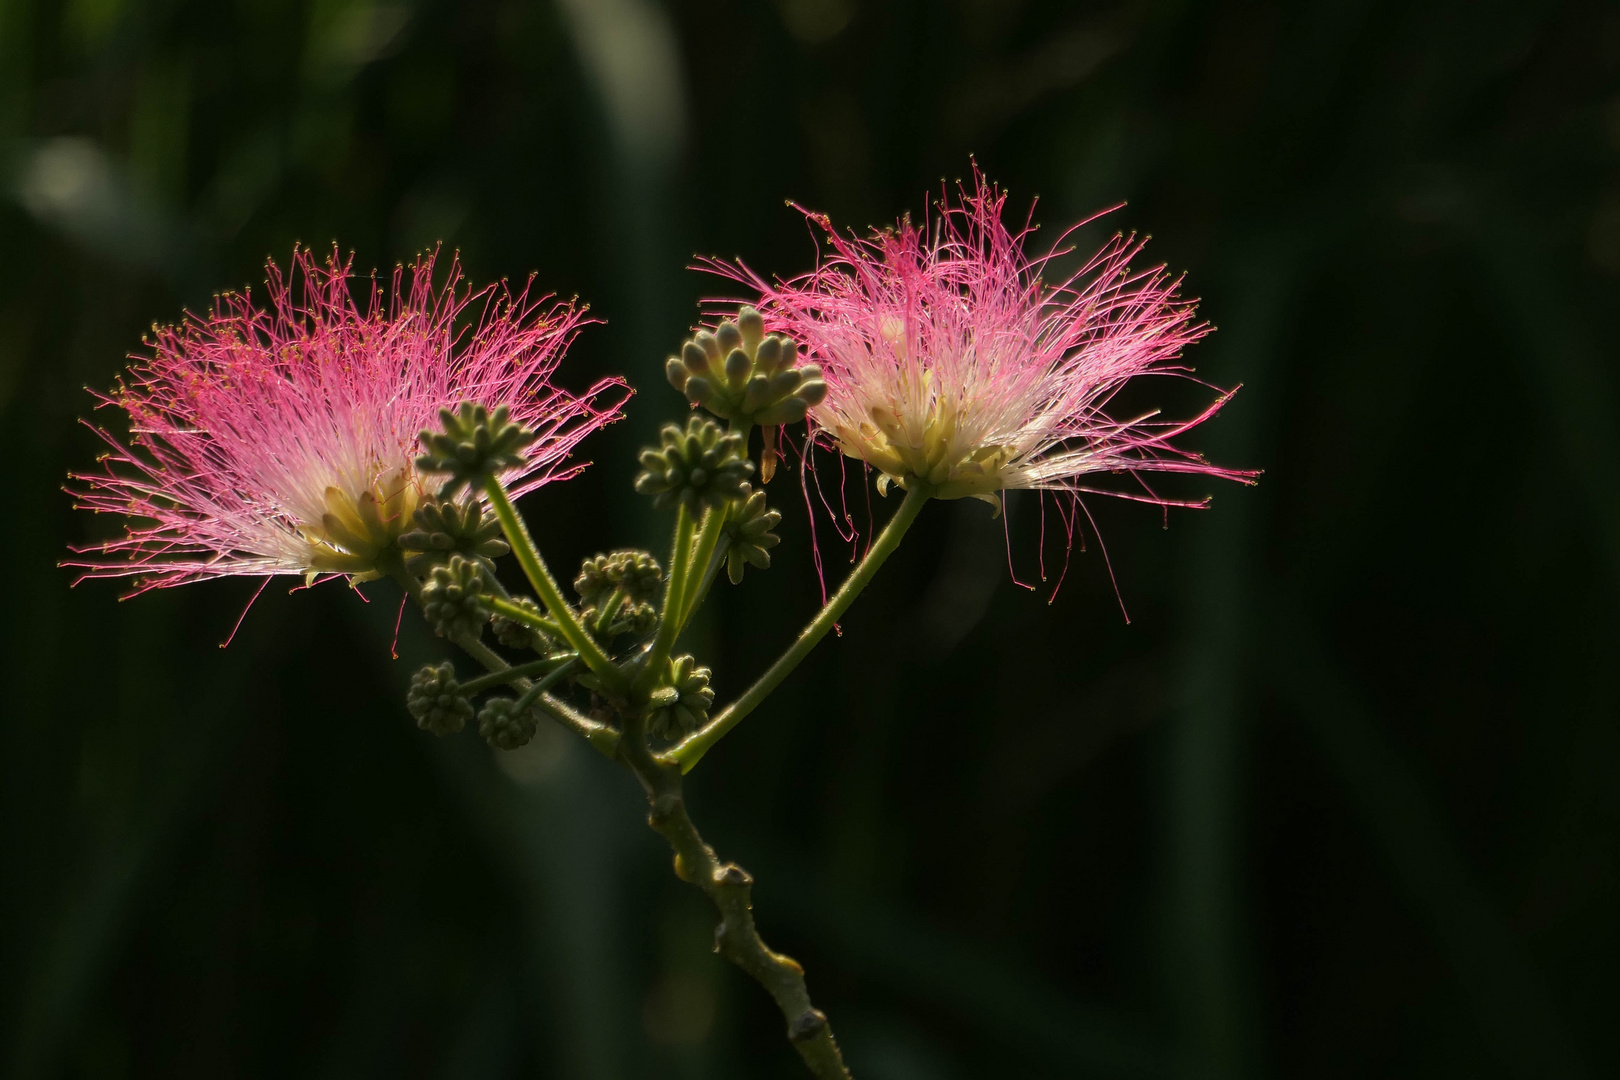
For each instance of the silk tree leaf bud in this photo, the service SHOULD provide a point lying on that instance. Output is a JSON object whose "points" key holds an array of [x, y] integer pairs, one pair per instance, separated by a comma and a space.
{"points": [[446, 527], [681, 703], [739, 372], [749, 536], [453, 598], [697, 467], [436, 701], [504, 725], [473, 443]]}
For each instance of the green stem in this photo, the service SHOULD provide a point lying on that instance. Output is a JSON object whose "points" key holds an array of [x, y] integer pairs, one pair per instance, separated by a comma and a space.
{"points": [[669, 623], [601, 737], [700, 589], [714, 527], [604, 618], [510, 609], [730, 889], [511, 674], [542, 685], [691, 749], [545, 586]]}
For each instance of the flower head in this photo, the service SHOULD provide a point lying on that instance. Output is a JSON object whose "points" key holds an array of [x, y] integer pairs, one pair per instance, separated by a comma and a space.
{"points": [[950, 361], [281, 440]]}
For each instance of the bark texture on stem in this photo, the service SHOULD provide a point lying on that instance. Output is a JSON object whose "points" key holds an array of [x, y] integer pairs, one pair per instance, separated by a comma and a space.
{"points": [[729, 888]]}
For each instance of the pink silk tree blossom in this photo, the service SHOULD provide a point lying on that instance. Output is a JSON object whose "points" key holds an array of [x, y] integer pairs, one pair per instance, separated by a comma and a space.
{"points": [[281, 441], [950, 360]]}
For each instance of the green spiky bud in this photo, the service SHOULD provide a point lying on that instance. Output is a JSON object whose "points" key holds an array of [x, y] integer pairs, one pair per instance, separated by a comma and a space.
{"points": [[446, 527], [700, 466], [739, 372], [505, 726], [473, 443], [636, 572], [520, 635], [628, 580], [436, 700], [749, 535], [453, 598], [681, 704]]}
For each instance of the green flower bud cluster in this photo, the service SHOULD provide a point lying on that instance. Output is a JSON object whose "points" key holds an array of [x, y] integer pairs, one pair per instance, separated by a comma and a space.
{"points": [[636, 572], [739, 372], [504, 725], [518, 635], [681, 704], [473, 444], [453, 598], [698, 467], [446, 527], [436, 700], [625, 580], [749, 536]]}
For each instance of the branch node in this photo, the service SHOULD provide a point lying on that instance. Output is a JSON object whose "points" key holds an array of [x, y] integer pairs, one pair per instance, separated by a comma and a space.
{"points": [[733, 876], [807, 1025], [663, 808]]}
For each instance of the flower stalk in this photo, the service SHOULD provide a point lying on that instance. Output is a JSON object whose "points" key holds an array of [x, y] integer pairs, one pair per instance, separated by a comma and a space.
{"points": [[697, 576], [669, 624], [691, 749], [545, 586]]}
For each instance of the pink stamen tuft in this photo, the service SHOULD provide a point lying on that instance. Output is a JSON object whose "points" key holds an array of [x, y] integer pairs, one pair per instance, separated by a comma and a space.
{"points": [[950, 359], [242, 420]]}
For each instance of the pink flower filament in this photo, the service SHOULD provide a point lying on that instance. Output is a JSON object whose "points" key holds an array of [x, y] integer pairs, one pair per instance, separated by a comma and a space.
{"points": [[281, 441]]}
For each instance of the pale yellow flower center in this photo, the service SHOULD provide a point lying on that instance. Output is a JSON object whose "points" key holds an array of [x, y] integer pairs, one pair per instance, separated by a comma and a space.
{"points": [[926, 447], [357, 528]]}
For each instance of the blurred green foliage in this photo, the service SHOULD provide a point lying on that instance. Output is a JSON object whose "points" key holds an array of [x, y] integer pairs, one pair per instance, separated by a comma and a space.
{"points": [[1340, 800]]}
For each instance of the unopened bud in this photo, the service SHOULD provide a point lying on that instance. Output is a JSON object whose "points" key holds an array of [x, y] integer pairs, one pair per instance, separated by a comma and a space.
{"points": [[446, 527], [676, 373], [453, 598], [769, 354], [634, 577], [472, 443], [693, 358], [699, 466], [516, 634], [680, 705], [636, 572], [737, 367], [698, 390], [748, 530], [740, 373], [436, 701], [505, 726]]}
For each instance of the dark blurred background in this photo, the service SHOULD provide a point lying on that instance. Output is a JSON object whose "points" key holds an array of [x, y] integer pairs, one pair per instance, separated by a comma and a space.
{"points": [[1340, 800]]}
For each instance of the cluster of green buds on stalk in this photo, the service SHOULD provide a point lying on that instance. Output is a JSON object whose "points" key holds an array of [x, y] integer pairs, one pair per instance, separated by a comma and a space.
{"points": [[741, 374], [605, 661]]}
